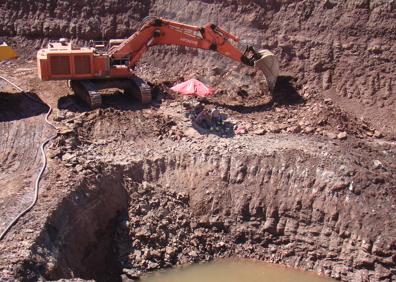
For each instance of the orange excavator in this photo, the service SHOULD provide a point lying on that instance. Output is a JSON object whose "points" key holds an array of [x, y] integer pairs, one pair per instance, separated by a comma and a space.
{"points": [[110, 65]]}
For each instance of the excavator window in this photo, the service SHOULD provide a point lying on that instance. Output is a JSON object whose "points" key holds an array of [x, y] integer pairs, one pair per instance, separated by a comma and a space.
{"points": [[120, 62]]}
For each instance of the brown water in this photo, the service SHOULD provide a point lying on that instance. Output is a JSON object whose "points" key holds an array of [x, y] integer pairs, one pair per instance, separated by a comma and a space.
{"points": [[234, 271]]}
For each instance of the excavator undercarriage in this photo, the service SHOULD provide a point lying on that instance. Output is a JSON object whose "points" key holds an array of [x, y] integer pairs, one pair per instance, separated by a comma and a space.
{"points": [[110, 65], [89, 90]]}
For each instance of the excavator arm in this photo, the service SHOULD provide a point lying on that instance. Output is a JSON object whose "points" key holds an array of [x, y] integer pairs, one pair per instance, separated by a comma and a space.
{"points": [[160, 31]]}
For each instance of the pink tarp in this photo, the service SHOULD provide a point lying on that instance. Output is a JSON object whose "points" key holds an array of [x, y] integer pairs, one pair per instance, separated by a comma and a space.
{"points": [[193, 87]]}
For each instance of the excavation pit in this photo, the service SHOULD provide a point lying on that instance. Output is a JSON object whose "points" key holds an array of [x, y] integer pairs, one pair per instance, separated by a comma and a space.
{"points": [[182, 209], [310, 184]]}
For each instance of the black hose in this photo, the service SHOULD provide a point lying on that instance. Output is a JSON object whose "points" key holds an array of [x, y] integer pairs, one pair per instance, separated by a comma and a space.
{"points": [[44, 159]]}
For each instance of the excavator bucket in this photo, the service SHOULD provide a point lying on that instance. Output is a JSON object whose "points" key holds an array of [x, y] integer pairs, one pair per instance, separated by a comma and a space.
{"points": [[6, 52], [269, 65]]}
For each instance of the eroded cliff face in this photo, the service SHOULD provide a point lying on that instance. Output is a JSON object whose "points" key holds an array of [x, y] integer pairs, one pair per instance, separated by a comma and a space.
{"points": [[339, 49]]}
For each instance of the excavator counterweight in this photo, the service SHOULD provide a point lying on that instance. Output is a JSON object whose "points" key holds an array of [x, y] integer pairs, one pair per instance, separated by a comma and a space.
{"points": [[101, 66]]}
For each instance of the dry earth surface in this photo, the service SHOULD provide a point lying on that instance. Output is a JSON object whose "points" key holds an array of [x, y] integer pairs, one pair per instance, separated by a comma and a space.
{"points": [[129, 189]]}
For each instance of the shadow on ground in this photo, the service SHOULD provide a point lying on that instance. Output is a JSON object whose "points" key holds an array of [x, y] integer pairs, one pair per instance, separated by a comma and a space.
{"points": [[285, 94], [15, 106]]}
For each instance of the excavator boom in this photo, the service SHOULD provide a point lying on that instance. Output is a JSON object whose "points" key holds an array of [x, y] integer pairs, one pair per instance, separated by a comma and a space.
{"points": [[208, 37], [165, 32], [115, 62]]}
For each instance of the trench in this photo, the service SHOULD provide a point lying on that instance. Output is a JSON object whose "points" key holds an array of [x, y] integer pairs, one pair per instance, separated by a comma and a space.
{"points": [[78, 238], [184, 209]]}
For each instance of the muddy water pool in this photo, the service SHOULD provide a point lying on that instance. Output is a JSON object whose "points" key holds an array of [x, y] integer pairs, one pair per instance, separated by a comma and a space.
{"points": [[233, 271]]}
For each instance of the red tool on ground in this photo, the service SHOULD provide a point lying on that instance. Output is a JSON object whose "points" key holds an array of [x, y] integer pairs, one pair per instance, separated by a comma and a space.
{"points": [[193, 87]]}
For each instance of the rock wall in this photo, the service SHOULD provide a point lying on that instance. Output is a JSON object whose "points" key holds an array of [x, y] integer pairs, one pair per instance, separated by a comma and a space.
{"points": [[341, 49], [279, 208]]}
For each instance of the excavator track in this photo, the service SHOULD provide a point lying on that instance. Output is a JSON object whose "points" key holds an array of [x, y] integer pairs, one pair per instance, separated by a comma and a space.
{"points": [[88, 92], [143, 95]]}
